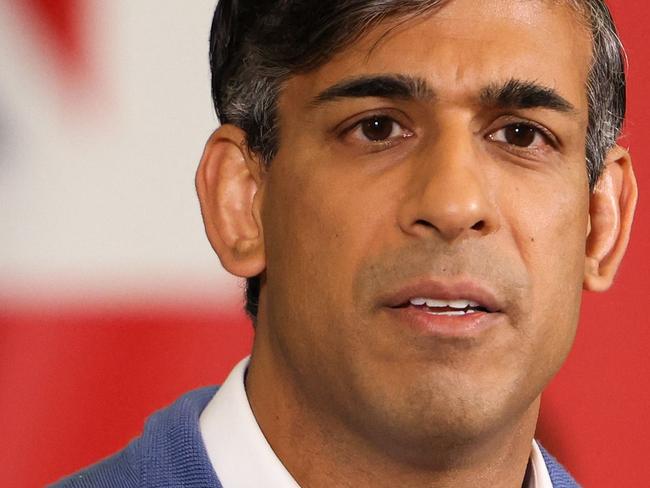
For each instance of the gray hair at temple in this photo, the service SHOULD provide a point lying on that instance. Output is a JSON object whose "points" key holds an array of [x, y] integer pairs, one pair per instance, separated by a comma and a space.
{"points": [[256, 45]]}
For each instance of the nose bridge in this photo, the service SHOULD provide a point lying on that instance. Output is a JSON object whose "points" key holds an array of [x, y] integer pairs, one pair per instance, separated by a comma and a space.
{"points": [[451, 194]]}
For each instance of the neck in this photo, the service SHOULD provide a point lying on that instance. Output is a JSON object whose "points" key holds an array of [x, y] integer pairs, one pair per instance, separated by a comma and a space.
{"points": [[329, 454]]}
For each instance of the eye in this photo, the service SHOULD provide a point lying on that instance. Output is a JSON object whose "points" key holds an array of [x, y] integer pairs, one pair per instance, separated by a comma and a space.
{"points": [[521, 135], [379, 129]]}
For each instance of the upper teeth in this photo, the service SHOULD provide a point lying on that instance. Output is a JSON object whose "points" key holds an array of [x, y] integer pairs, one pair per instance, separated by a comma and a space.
{"points": [[434, 303]]}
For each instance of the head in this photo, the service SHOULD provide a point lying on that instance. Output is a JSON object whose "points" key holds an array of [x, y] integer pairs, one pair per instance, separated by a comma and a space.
{"points": [[254, 49], [373, 152]]}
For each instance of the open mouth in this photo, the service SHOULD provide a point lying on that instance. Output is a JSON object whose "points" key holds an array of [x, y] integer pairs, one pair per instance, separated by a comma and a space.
{"points": [[449, 308]]}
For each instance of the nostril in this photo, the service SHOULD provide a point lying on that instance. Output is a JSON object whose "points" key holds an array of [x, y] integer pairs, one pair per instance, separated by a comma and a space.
{"points": [[480, 225], [425, 223]]}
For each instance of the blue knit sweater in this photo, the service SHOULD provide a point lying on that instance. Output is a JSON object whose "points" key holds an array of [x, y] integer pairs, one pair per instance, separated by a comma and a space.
{"points": [[170, 453]]}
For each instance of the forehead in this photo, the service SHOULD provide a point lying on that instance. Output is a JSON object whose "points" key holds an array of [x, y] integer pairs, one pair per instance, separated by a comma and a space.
{"points": [[464, 45]]}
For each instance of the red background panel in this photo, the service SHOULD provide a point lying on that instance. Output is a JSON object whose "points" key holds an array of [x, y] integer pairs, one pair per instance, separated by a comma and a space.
{"points": [[77, 382]]}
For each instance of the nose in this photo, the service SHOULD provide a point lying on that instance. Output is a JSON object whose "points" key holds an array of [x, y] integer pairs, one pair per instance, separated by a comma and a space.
{"points": [[449, 194]]}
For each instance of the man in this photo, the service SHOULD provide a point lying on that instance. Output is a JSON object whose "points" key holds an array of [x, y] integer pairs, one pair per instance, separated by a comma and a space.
{"points": [[417, 192]]}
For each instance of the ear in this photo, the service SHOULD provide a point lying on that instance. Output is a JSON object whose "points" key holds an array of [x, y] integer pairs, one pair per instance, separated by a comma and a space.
{"points": [[228, 182], [611, 212]]}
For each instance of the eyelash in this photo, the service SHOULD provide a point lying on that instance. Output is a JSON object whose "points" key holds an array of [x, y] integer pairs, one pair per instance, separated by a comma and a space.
{"points": [[379, 145], [547, 136]]}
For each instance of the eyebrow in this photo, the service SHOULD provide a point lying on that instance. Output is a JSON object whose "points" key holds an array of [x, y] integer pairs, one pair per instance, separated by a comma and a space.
{"points": [[519, 94], [380, 86], [513, 94]]}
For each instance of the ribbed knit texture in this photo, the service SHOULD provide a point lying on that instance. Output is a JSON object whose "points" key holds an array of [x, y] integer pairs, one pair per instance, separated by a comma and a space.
{"points": [[559, 476], [171, 454]]}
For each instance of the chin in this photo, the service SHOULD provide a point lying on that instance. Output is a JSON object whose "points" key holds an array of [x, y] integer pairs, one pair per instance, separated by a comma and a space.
{"points": [[424, 420]]}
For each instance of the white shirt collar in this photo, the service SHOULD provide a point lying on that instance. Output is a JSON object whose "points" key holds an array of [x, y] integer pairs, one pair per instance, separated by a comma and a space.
{"points": [[241, 455], [237, 448], [540, 476]]}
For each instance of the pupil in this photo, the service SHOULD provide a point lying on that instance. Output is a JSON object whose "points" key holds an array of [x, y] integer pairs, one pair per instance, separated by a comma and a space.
{"points": [[520, 135], [378, 128]]}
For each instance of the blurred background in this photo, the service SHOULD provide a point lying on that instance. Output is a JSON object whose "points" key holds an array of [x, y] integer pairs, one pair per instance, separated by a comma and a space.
{"points": [[112, 302]]}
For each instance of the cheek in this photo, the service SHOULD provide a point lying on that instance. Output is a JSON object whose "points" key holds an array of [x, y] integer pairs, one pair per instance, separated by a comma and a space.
{"points": [[319, 226], [328, 221], [550, 233]]}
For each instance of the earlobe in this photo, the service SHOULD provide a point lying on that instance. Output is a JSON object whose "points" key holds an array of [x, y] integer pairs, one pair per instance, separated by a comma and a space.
{"points": [[611, 212], [228, 183]]}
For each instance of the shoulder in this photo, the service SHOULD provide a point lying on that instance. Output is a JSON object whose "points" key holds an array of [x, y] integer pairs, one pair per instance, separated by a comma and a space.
{"points": [[119, 470], [560, 477], [169, 449]]}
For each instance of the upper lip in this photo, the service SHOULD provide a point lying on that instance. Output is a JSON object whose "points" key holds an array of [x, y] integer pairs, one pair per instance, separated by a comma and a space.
{"points": [[444, 289]]}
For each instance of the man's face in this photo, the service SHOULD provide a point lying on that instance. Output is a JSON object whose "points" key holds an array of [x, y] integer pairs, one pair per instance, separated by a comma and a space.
{"points": [[461, 178]]}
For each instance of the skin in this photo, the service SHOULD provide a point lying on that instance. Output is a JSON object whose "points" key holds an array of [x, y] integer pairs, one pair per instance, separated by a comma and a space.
{"points": [[337, 221]]}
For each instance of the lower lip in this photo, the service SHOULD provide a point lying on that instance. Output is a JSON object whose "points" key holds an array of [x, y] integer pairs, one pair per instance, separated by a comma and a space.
{"points": [[452, 326]]}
